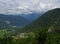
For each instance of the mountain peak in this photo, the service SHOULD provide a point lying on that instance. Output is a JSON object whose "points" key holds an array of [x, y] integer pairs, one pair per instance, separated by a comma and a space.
{"points": [[57, 8]]}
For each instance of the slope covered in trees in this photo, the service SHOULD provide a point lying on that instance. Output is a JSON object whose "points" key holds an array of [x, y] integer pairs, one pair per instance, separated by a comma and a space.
{"points": [[46, 29], [50, 20]]}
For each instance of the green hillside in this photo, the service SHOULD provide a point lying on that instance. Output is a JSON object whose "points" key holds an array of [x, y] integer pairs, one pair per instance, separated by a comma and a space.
{"points": [[44, 30], [50, 19]]}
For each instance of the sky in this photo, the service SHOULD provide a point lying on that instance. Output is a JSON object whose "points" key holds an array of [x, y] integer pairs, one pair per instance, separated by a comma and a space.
{"points": [[15, 7]]}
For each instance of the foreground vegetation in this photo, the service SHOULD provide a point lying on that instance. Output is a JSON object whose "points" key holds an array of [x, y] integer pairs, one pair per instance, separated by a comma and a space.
{"points": [[42, 36]]}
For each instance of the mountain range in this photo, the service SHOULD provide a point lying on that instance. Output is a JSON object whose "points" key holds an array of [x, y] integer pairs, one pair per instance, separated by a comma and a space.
{"points": [[18, 21], [32, 17], [49, 20]]}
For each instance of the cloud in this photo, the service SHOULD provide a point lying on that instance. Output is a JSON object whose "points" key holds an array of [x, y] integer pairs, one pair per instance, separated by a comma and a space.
{"points": [[27, 6]]}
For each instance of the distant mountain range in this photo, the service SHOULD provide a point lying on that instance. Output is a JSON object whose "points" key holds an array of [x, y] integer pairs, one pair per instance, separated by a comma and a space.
{"points": [[32, 16], [50, 20], [7, 21], [19, 21]]}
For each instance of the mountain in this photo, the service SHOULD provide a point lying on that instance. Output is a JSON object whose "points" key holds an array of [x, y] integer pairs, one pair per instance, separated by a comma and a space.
{"points": [[32, 17], [12, 21], [49, 20]]}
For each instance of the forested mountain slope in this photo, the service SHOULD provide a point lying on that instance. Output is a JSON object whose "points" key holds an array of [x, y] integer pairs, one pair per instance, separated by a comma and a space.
{"points": [[50, 20]]}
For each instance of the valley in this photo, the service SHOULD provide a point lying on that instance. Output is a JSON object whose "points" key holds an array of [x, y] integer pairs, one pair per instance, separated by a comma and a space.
{"points": [[43, 30]]}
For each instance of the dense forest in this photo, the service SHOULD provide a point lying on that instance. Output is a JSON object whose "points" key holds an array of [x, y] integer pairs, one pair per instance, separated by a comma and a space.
{"points": [[44, 30]]}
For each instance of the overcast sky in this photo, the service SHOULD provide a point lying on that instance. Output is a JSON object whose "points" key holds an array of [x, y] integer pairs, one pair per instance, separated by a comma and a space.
{"points": [[27, 6]]}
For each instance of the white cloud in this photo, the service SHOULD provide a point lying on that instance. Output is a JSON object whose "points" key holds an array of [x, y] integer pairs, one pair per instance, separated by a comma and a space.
{"points": [[22, 7], [27, 6]]}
